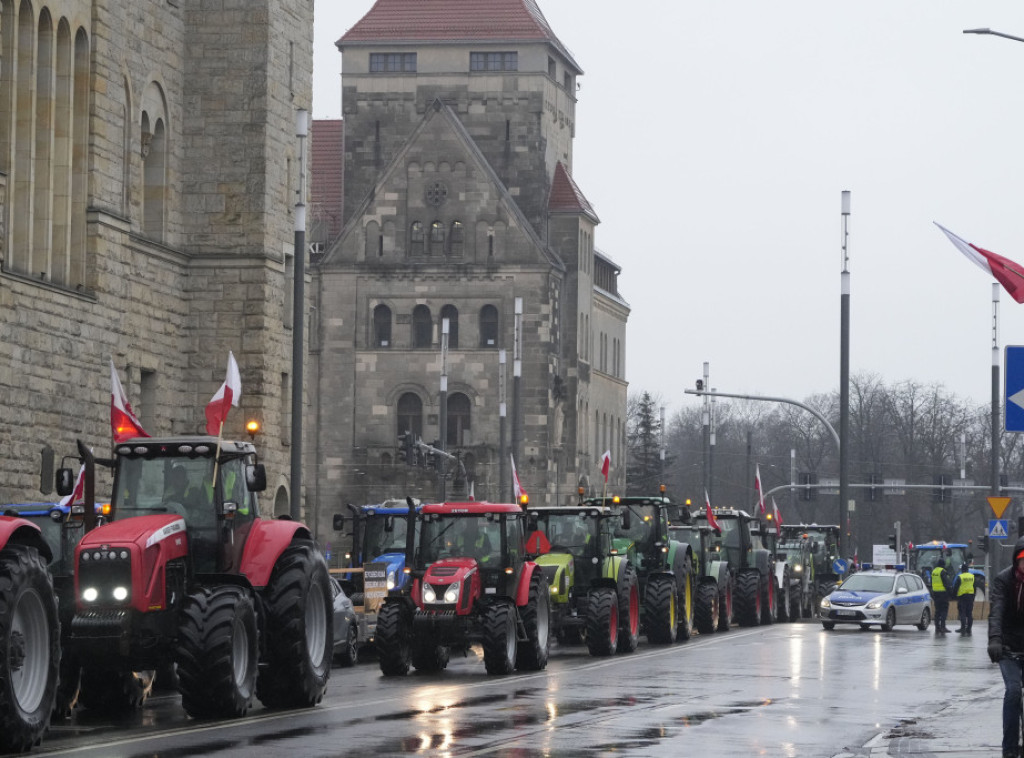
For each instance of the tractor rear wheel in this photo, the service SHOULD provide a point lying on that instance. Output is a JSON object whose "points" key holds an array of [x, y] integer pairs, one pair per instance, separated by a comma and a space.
{"points": [[660, 610], [748, 598], [114, 692], [392, 639], [685, 607], [299, 630], [629, 610], [706, 608], [796, 603], [428, 656], [603, 622], [218, 653], [499, 640], [783, 598], [725, 605], [769, 600], [31, 660], [532, 653]]}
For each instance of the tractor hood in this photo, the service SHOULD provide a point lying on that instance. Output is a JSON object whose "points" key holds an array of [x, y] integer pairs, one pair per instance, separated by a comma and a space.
{"points": [[395, 563], [559, 569], [142, 530], [448, 570]]}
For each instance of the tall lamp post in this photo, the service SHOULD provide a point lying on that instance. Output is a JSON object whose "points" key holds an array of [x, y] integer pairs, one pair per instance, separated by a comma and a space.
{"points": [[502, 412], [298, 318], [517, 373], [443, 413], [844, 383]]}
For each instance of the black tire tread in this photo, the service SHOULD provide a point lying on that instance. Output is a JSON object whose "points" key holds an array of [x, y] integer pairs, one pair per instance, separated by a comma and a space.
{"points": [[498, 623], [602, 622], [748, 598], [659, 600], [392, 640], [706, 608], [628, 639], [532, 653]]}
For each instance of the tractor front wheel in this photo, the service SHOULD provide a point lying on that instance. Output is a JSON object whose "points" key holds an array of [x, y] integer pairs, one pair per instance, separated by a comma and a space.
{"points": [[29, 665], [218, 653], [603, 622], [392, 639], [629, 610], [499, 640], [769, 600], [706, 610], [686, 609], [725, 606], [660, 610], [299, 630], [532, 653], [748, 598]]}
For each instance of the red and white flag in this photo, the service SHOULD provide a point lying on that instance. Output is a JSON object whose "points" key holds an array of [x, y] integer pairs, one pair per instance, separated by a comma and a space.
{"points": [[777, 517], [1005, 271], [757, 486], [517, 488], [123, 424], [228, 394], [78, 493], [606, 464], [712, 521]]}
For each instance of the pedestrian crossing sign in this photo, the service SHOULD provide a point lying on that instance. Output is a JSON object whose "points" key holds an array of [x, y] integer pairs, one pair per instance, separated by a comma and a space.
{"points": [[998, 528]]}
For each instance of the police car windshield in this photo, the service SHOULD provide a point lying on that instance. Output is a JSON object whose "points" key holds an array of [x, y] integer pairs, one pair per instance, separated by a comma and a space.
{"points": [[869, 583]]}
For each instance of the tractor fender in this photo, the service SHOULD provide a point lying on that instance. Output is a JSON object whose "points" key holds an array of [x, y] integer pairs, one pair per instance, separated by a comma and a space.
{"points": [[781, 573], [720, 572], [612, 568], [19, 531], [267, 540], [523, 590]]}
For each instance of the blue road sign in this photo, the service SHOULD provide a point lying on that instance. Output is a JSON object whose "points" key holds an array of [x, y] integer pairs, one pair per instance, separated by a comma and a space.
{"points": [[1013, 381], [839, 565], [998, 528]]}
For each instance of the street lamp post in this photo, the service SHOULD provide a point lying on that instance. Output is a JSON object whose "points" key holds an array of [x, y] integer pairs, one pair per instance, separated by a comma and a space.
{"points": [[844, 383], [443, 413], [517, 372], [994, 34], [298, 319], [503, 459]]}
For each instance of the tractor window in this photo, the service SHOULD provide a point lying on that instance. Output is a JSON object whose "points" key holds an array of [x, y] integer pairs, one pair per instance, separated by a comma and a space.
{"points": [[515, 537], [379, 539]]}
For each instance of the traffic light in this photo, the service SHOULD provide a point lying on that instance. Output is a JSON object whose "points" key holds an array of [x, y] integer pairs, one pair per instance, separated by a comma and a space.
{"points": [[942, 492], [983, 543], [875, 491], [406, 449], [808, 493], [892, 541]]}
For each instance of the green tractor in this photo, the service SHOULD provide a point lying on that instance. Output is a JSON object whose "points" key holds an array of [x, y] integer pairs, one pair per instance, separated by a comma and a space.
{"points": [[824, 540], [595, 593], [756, 591], [795, 551], [663, 565], [713, 606]]}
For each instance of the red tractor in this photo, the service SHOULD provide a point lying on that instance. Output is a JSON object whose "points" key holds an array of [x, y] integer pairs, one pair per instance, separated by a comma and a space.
{"points": [[471, 582], [29, 635], [189, 574]]}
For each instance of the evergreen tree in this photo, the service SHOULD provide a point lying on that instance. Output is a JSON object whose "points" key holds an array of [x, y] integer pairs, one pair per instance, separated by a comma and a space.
{"points": [[643, 437]]}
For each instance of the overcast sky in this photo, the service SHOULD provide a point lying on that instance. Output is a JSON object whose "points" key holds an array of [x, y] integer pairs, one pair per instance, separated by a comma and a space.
{"points": [[714, 139]]}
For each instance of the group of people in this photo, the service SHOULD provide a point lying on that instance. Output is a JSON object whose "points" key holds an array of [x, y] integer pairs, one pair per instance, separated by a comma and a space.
{"points": [[944, 590]]}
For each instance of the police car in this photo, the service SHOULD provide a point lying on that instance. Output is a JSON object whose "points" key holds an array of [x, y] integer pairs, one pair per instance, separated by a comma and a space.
{"points": [[885, 596]]}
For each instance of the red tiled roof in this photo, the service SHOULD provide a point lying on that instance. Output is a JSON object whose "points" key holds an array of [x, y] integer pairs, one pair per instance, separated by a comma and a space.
{"points": [[452, 20], [566, 197], [327, 174]]}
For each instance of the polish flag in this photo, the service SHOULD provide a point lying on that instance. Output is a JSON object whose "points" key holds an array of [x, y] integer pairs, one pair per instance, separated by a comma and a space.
{"points": [[228, 394], [517, 488], [757, 486], [1005, 271], [78, 493], [712, 521], [778, 518], [606, 464], [123, 424]]}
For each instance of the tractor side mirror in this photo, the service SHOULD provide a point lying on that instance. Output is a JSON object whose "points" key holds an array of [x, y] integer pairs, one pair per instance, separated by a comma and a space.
{"points": [[65, 482], [627, 520], [256, 477], [389, 523], [338, 523]]}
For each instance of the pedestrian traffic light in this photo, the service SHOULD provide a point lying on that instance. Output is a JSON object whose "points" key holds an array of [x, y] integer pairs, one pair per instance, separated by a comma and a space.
{"points": [[983, 543], [892, 541]]}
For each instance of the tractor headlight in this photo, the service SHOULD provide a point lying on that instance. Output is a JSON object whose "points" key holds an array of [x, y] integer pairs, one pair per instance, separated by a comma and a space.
{"points": [[429, 596], [451, 595], [120, 593], [89, 594], [391, 579], [798, 568], [825, 603]]}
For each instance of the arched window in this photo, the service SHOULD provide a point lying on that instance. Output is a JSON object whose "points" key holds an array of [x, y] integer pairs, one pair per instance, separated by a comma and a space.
{"points": [[416, 238], [382, 326], [410, 414], [451, 313], [437, 238], [458, 420], [422, 327], [488, 326], [458, 236]]}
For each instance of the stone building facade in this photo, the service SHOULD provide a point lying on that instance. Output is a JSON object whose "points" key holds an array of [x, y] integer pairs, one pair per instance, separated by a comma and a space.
{"points": [[459, 204], [148, 169]]}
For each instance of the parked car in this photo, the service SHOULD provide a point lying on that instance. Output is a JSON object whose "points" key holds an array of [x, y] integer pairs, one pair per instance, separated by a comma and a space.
{"points": [[346, 628], [885, 597]]}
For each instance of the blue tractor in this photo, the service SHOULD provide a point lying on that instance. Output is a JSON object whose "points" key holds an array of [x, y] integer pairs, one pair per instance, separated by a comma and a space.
{"points": [[922, 559]]}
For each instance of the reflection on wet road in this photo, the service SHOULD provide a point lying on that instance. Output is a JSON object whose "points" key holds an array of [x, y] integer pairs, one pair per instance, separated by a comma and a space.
{"points": [[784, 690]]}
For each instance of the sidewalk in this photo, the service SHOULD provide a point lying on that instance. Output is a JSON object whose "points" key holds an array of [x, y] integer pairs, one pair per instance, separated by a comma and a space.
{"points": [[968, 727]]}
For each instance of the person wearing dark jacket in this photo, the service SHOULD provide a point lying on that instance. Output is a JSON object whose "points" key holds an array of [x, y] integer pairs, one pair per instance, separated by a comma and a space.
{"points": [[1006, 634], [939, 586]]}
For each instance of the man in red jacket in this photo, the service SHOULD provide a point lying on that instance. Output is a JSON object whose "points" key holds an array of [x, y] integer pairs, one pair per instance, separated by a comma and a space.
{"points": [[1005, 636]]}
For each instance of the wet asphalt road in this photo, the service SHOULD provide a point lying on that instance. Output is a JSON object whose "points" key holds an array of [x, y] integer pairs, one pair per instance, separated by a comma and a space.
{"points": [[783, 690]]}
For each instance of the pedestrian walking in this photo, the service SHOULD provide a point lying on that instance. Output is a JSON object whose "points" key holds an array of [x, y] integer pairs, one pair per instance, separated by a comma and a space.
{"points": [[1006, 635], [963, 589], [940, 595]]}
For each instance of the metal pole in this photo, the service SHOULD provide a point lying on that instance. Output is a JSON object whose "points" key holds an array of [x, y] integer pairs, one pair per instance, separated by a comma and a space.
{"points": [[662, 445], [994, 483], [844, 385], [502, 412], [517, 372], [298, 319], [711, 450], [443, 414], [792, 478], [706, 427]]}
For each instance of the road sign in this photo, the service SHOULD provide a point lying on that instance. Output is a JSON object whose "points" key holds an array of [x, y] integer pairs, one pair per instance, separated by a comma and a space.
{"points": [[998, 505], [1014, 383], [839, 566], [998, 528]]}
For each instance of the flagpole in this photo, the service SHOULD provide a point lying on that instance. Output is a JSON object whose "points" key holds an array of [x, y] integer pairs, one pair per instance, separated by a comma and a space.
{"points": [[216, 458]]}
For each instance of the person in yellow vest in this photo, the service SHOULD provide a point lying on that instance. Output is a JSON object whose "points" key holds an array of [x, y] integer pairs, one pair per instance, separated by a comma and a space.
{"points": [[963, 588], [940, 595]]}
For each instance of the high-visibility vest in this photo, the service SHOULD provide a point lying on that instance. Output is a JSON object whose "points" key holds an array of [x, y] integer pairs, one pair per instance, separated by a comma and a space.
{"points": [[966, 584], [937, 584]]}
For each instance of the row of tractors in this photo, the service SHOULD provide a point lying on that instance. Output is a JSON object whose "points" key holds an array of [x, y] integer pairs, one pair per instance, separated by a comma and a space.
{"points": [[177, 574], [430, 580]]}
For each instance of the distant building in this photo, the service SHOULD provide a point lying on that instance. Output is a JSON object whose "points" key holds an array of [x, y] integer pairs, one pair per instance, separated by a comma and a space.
{"points": [[459, 201]]}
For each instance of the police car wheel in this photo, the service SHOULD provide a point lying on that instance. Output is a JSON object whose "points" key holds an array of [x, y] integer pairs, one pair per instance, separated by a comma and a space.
{"points": [[828, 626], [926, 619]]}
